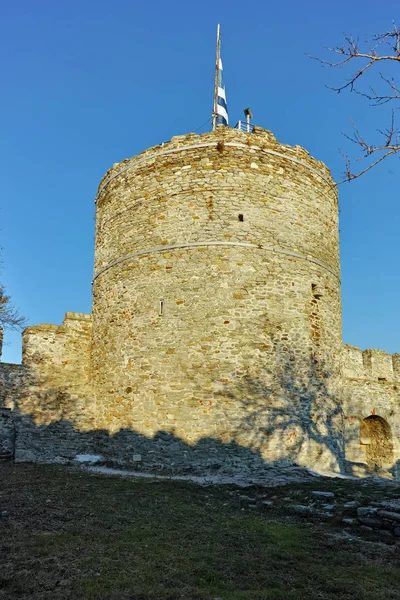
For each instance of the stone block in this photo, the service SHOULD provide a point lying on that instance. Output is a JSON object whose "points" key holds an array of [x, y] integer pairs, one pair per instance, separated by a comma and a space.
{"points": [[370, 522], [391, 516], [302, 509], [366, 511], [349, 521], [322, 495], [351, 504], [88, 458]]}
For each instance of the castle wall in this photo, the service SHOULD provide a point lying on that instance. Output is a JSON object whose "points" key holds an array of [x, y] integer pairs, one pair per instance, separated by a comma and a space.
{"points": [[370, 388], [211, 325], [59, 355], [11, 381], [49, 396]]}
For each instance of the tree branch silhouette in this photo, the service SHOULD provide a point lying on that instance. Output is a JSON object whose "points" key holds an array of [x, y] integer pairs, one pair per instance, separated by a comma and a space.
{"points": [[367, 58]]}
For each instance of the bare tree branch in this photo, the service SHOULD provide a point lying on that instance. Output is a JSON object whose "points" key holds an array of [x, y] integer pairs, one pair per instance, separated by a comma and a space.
{"points": [[390, 146], [379, 99], [9, 315], [366, 59], [350, 51]]}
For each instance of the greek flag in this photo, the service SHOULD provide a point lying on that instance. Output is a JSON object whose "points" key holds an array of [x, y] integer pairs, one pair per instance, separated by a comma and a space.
{"points": [[222, 108]]}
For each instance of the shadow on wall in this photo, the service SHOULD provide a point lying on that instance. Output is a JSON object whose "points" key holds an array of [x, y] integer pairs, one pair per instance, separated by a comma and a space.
{"points": [[293, 421], [299, 415]]}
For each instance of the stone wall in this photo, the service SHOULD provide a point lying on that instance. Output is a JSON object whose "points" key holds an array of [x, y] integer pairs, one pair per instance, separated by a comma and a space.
{"points": [[372, 364], [11, 381], [371, 388], [58, 357], [49, 396]]}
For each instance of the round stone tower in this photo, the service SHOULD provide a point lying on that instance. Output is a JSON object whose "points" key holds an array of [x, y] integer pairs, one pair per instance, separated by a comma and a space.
{"points": [[216, 300]]}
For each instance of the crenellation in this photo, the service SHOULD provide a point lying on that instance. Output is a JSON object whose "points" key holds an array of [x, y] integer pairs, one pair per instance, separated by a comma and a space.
{"points": [[396, 366], [378, 364], [374, 364], [59, 355], [353, 363]]}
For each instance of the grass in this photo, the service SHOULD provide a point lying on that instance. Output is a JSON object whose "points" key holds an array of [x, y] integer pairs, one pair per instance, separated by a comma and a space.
{"points": [[68, 534]]}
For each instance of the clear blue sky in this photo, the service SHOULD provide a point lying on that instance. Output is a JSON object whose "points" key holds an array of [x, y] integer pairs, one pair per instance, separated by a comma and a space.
{"points": [[88, 83]]}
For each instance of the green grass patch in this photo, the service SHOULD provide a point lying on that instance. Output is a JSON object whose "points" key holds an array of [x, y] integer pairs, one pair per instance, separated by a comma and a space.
{"points": [[68, 534]]}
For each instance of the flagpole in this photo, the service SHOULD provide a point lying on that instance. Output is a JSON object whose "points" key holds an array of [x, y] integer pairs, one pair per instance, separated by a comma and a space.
{"points": [[217, 54]]}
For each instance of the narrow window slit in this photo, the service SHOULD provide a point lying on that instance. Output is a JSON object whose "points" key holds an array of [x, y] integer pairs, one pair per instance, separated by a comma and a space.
{"points": [[241, 218], [161, 308], [316, 291]]}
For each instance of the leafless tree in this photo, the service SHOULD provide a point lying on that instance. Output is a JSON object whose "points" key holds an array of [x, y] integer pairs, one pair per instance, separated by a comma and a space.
{"points": [[383, 51], [9, 314]]}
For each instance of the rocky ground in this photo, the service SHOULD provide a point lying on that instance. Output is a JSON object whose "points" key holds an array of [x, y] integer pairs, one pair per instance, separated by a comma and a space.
{"points": [[368, 507], [71, 534]]}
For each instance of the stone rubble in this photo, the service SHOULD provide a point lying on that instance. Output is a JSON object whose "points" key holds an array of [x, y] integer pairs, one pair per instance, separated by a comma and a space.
{"points": [[383, 515]]}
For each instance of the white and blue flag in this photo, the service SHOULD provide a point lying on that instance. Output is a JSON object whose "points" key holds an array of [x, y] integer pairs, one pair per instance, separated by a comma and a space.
{"points": [[222, 108]]}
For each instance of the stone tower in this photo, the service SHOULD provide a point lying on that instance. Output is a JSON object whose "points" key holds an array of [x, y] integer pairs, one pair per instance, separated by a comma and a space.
{"points": [[216, 297]]}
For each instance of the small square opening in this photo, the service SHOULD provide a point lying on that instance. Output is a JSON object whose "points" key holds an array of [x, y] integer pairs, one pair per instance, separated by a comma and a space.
{"points": [[316, 291], [241, 217]]}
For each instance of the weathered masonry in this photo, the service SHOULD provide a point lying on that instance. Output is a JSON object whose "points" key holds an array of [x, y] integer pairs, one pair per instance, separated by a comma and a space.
{"points": [[215, 341]]}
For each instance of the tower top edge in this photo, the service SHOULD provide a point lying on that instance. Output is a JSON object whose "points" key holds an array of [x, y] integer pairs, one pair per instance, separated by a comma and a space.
{"points": [[259, 138]]}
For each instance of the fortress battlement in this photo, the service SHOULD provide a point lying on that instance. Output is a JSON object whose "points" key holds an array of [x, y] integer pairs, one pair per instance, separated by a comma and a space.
{"points": [[372, 364], [54, 340]]}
